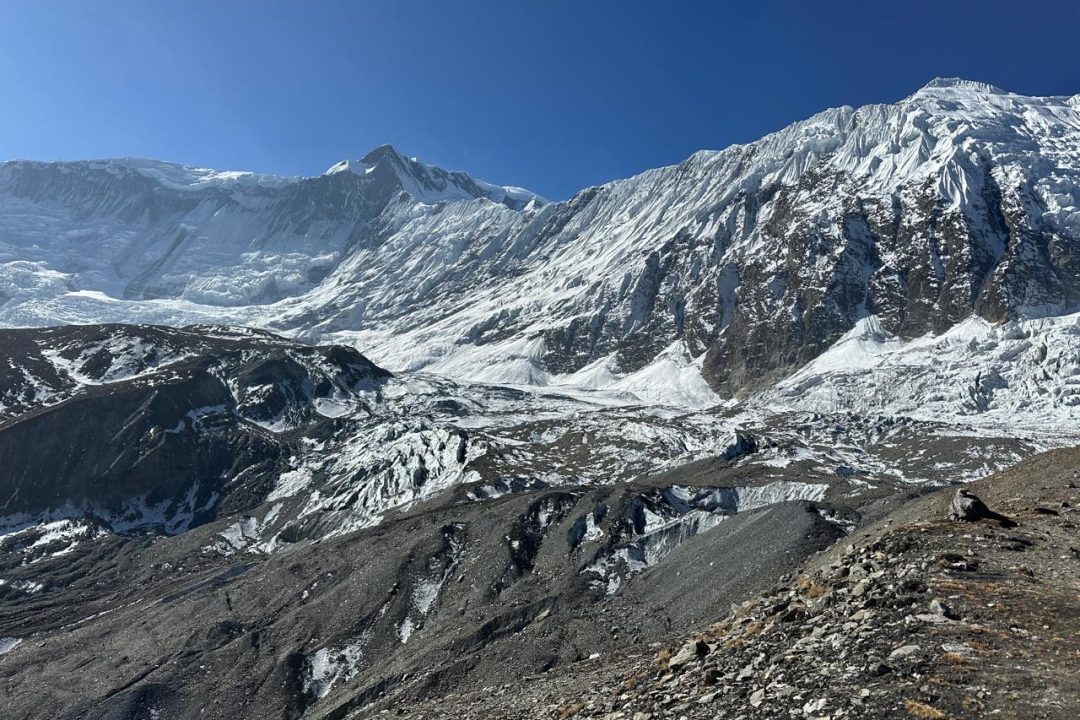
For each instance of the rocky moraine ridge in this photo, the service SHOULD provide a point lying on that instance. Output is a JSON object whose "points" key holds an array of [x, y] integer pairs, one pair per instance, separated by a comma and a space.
{"points": [[930, 613]]}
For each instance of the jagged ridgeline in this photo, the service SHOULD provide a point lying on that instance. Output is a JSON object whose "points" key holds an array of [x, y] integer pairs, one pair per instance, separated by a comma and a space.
{"points": [[738, 265]]}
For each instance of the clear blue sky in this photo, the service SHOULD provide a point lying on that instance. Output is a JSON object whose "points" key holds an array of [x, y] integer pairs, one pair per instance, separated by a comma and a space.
{"points": [[552, 95]]}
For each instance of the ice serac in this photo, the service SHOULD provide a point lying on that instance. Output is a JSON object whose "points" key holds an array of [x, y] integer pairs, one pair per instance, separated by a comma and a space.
{"points": [[740, 265]]}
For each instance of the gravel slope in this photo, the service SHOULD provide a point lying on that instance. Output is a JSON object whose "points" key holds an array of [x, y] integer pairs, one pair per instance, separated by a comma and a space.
{"points": [[917, 616]]}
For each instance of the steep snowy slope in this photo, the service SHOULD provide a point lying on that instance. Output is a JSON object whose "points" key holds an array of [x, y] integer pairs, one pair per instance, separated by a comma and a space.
{"points": [[738, 266], [142, 229], [959, 199], [1022, 376]]}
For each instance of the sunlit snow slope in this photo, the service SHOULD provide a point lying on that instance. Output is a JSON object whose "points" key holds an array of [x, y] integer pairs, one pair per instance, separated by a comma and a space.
{"points": [[684, 284], [1018, 377]]}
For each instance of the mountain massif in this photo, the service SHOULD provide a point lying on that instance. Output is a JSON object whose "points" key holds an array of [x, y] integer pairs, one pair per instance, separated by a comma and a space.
{"points": [[395, 440], [959, 200]]}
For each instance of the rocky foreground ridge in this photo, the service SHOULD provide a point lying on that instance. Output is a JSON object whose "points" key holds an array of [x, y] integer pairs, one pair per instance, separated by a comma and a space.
{"points": [[922, 615]]}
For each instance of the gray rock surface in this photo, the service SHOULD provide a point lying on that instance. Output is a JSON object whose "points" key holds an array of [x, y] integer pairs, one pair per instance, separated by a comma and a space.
{"points": [[809, 647]]}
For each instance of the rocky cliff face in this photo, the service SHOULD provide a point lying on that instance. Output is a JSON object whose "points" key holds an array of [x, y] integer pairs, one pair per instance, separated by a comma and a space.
{"points": [[744, 263], [163, 429]]}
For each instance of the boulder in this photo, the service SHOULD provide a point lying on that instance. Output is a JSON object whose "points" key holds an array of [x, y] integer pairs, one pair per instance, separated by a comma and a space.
{"points": [[689, 652], [967, 507]]}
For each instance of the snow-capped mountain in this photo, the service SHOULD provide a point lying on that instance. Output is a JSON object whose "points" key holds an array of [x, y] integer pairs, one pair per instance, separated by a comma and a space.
{"points": [[430, 185], [136, 229], [739, 265], [741, 358]]}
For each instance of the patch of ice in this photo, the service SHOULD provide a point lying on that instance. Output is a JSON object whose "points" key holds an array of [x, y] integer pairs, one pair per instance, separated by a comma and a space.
{"points": [[328, 666]]}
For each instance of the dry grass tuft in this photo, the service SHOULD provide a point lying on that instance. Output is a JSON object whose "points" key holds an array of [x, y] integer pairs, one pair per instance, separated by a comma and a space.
{"points": [[633, 681], [810, 588], [924, 711], [569, 711], [753, 629]]}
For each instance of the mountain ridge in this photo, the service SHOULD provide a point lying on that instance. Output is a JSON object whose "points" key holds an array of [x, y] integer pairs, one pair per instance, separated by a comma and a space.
{"points": [[180, 175], [955, 201], [941, 82]]}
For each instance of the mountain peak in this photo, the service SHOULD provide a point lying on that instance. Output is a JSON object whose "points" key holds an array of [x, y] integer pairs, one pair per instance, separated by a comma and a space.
{"points": [[430, 184], [384, 152], [955, 82]]}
